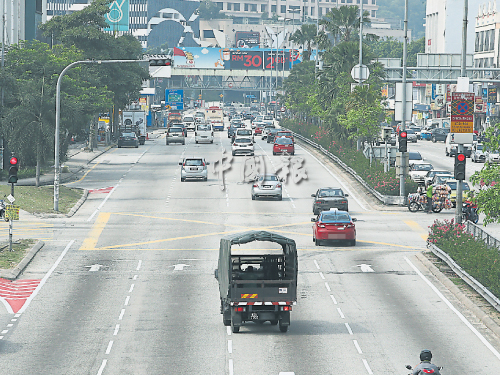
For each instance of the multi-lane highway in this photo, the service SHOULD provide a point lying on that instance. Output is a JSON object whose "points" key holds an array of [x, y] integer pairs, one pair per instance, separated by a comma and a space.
{"points": [[127, 284]]}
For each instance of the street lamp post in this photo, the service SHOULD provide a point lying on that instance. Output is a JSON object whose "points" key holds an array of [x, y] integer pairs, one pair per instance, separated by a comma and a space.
{"points": [[58, 119]]}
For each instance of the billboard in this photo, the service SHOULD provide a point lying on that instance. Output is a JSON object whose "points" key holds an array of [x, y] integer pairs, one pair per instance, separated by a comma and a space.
{"points": [[174, 99], [118, 16], [235, 58], [246, 39]]}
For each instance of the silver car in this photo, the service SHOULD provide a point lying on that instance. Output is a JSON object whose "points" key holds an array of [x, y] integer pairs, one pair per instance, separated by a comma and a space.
{"points": [[194, 168], [175, 135], [268, 185]]}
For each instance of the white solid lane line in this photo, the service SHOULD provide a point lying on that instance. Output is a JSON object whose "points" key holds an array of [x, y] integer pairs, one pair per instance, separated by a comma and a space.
{"points": [[452, 308]]}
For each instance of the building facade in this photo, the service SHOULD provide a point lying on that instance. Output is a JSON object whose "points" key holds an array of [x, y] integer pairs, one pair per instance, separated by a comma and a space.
{"points": [[486, 49], [443, 25], [20, 20]]}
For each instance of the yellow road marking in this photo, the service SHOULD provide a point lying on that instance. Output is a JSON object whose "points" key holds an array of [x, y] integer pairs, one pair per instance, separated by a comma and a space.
{"points": [[91, 241], [86, 173], [417, 228]]}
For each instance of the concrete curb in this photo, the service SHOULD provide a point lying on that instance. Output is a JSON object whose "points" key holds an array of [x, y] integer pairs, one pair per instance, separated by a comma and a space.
{"points": [[477, 311], [14, 273], [78, 204]]}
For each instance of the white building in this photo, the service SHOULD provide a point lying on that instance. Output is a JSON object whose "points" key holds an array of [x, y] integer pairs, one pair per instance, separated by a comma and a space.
{"points": [[443, 25], [487, 24]]}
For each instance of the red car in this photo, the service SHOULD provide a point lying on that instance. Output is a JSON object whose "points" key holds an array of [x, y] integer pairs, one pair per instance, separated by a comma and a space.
{"points": [[257, 130], [283, 145], [334, 225], [284, 133]]}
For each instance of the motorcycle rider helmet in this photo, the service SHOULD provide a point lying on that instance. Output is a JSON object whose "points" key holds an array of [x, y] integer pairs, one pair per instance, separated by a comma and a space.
{"points": [[425, 355]]}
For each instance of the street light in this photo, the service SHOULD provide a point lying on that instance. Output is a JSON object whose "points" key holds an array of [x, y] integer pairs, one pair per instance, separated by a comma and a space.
{"points": [[58, 118]]}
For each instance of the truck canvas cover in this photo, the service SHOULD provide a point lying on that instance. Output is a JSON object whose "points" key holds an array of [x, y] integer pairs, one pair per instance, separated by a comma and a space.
{"points": [[224, 274]]}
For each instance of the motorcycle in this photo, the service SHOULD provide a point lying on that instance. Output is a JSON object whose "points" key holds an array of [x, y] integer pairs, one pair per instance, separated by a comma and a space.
{"points": [[426, 371], [417, 202], [469, 212]]}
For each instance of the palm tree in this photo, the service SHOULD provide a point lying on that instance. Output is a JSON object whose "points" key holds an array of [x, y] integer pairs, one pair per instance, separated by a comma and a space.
{"points": [[342, 22], [305, 36]]}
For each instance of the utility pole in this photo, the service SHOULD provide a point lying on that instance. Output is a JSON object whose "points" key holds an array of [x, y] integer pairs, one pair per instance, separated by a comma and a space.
{"points": [[360, 42], [460, 146], [402, 176]]}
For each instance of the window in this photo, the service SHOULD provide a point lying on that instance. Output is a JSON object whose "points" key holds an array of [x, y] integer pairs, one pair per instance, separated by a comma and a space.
{"points": [[246, 7], [312, 11], [253, 7], [219, 5], [263, 8], [492, 40], [374, 14], [208, 34], [236, 7], [486, 43], [229, 6], [320, 13], [283, 9], [273, 8], [304, 11]]}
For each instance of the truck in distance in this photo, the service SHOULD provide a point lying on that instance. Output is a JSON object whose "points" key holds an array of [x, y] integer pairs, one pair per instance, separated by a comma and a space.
{"points": [[257, 285], [215, 116], [134, 121]]}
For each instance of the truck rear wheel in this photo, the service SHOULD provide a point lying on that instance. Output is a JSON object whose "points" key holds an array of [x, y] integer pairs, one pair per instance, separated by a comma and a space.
{"points": [[235, 329], [283, 328]]}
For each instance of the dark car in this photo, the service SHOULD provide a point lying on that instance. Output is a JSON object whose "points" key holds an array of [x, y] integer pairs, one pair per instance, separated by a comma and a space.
{"points": [[128, 139], [182, 125], [249, 116], [271, 135], [439, 134], [231, 130], [414, 156], [326, 198]]}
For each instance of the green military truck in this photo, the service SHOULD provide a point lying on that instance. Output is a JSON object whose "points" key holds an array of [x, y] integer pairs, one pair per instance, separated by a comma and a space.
{"points": [[257, 285]]}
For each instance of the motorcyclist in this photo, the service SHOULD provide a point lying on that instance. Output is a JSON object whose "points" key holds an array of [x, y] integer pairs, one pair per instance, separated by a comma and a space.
{"points": [[429, 193], [425, 366]]}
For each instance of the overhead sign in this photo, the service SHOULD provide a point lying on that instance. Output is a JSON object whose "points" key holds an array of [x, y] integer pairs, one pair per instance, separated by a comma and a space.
{"points": [[118, 16], [462, 112], [174, 99]]}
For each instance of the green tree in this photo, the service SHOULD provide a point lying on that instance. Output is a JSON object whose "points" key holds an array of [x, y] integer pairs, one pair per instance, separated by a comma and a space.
{"points": [[343, 22], [487, 180], [209, 10], [305, 36]]}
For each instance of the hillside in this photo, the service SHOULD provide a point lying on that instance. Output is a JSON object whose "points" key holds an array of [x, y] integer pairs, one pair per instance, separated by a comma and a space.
{"points": [[395, 9]]}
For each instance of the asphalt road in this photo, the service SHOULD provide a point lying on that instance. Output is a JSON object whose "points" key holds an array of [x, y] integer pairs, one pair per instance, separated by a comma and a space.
{"points": [[128, 287]]}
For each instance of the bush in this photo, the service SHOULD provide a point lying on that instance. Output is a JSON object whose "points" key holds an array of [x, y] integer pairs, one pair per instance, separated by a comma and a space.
{"points": [[386, 183], [473, 255]]}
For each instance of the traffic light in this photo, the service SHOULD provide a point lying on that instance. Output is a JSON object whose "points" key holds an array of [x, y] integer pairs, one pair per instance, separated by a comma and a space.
{"points": [[160, 61], [403, 144], [13, 170], [460, 166]]}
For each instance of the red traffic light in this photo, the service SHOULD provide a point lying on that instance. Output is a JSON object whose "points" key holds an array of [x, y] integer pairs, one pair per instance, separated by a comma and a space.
{"points": [[460, 157], [403, 134], [13, 160]]}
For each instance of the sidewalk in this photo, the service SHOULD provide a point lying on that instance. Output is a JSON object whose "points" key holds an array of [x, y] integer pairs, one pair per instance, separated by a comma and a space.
{"points": [[78, 159]]}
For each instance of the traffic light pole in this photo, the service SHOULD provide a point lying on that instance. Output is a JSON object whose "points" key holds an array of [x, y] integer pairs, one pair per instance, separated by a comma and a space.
{"points": [[11, 226], [58, 119], [402, 176], [458, 208]]}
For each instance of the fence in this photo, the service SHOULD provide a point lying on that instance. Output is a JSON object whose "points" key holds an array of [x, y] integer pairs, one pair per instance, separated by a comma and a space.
{"points": [[481, 234]]}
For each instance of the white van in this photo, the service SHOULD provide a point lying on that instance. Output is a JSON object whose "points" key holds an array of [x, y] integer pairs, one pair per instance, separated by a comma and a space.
{"points": [[204, 133], [452, 148]]}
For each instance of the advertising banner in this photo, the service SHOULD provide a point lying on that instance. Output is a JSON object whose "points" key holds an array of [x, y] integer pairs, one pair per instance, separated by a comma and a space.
{"points": [[492, 95]]}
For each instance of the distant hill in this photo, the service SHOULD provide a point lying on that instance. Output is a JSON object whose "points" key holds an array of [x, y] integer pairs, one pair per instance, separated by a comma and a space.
{"points": [[395, 10]]}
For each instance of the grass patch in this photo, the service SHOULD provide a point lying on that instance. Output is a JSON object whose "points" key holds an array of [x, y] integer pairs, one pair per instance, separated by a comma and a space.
{"points": [[41, 199], [10, 259]]}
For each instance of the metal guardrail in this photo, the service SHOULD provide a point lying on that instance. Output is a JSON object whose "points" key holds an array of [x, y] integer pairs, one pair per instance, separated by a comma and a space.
{"points": [[385, 199], [481, 234], [472, 282]]}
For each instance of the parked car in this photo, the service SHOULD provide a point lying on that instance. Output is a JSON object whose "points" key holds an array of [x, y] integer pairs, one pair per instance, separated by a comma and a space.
{"points": [[329, 197], [269, 186], [242, 146], [478, 154], [128, 139], [175, 135], [204, 133], [334, 225], [194, 168], [439, 134], [283, 145]]}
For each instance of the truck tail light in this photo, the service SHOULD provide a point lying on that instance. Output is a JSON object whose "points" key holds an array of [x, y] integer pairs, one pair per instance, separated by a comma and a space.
{"points": [[239, 309], [286, 308], [319, 202]]}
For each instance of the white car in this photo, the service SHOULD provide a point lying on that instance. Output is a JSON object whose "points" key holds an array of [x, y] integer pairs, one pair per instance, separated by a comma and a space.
{"points": [[189, 122], [243, 145], [204, 133], [244, 132], [418, 171], [492, 157]]}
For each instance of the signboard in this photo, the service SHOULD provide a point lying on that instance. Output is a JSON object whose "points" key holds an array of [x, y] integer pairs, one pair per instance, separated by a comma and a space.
{"points": [[492, 95], [174, 99], [277, 60], [439, 101], [118, 16], [247, 60], [11, 212], [428, 89], [462, 112], [245, 39]]}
